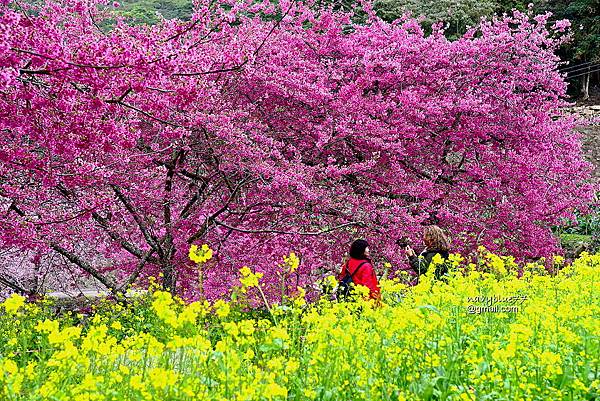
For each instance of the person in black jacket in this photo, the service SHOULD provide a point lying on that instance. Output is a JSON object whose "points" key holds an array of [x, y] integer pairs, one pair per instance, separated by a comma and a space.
{"points": [[436, 242]]}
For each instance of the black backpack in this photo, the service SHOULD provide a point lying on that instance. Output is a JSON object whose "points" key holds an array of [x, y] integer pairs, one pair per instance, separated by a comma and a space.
{"points": [[344, 286]]}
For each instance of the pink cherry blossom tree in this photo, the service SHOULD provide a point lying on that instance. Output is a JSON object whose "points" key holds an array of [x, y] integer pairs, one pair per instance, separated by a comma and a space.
{"points": [[262, 129]]}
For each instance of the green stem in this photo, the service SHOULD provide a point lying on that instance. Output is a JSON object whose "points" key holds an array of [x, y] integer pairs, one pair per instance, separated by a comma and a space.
{"points": [[262, 294]]}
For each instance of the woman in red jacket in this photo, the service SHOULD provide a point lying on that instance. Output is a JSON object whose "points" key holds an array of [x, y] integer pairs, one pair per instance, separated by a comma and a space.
{"points": [[359, 266]]}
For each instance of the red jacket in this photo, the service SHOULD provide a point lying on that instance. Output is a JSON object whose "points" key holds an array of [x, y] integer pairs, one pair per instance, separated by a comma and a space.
{"points": [[365, 276]]}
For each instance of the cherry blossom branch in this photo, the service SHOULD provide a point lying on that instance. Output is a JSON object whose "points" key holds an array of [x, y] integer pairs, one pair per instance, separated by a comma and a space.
{"points": [[151, 239], [160, 120], [95, 67], [10, 283], [128, 246], [313, 233], [183, 31], [85, 266], [131, 279], [217, 71], [243, 63], [211, 219]]}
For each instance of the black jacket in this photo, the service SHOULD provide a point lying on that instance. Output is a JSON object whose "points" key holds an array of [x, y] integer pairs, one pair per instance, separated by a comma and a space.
{"points": [[420, 265]]}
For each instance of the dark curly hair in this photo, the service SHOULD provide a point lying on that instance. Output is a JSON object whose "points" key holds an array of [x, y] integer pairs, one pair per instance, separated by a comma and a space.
{"points": [[357, 249]]}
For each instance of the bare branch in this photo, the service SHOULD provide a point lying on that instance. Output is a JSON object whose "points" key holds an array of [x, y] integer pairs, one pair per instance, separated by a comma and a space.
{"points": [[95, 67], [98, 67], [187, 209], [104, 224], [24, 13], [34, 72], [275, 26], [191, 204], [13, 206]]}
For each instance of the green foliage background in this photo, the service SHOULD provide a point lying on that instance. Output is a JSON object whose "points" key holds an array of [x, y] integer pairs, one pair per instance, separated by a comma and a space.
{"points": [[150, 11]]}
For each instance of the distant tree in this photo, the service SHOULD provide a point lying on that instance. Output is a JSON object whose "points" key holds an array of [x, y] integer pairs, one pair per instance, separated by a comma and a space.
{"points": [[584, 49], [457, 14], [150, 11], [506, 6]]}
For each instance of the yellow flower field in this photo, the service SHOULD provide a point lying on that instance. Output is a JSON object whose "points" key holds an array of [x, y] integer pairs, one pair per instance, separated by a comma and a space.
{"points": [[483, 335]]}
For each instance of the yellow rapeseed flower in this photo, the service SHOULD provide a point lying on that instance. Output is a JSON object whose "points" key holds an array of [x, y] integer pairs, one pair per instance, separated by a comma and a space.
{"points": [[248, 278], [292, 262], [13, 303], [200, 255], [222, 308], [274, 390]]}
